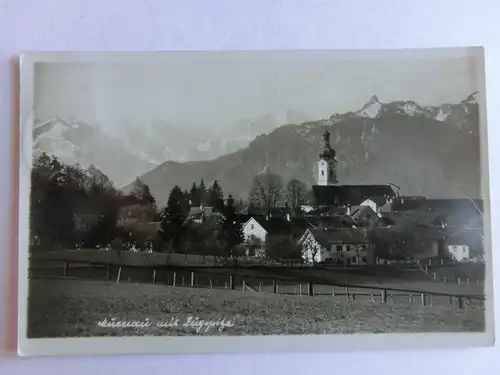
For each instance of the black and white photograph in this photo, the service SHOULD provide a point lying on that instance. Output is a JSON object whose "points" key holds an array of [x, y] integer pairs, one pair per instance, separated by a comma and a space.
{"points": [[298, 194]]}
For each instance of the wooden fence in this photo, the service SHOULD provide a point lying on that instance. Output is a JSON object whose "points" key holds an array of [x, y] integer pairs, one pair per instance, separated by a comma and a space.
{"points": [[349, 292]]}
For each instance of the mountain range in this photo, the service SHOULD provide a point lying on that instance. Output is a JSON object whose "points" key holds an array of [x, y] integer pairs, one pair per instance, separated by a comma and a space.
{"points": [[141, 147], [430, 151]]}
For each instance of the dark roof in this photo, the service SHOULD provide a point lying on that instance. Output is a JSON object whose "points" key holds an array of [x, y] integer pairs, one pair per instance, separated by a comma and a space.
{"points": [[429, 233], [412, 203], [331, 222], [199, 212], [339, 236], [462, 211], [327, 211], [337, 195], [414, 217]]}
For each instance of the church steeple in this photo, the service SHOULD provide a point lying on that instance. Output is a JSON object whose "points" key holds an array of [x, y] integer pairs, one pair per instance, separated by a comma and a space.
{"points": [[327, 151], [327, 165]]}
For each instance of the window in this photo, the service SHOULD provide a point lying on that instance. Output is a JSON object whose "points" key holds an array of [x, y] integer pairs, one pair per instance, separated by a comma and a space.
{"points": [[252, 227], [364, 260], [353, 260], [322, 173]]}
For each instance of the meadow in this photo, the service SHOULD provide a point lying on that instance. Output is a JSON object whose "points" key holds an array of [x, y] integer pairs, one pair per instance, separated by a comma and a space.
{"points": [[73, 308]]}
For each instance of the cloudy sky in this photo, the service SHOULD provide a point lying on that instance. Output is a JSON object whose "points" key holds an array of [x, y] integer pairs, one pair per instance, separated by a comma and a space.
{"points": [[218, 89]]}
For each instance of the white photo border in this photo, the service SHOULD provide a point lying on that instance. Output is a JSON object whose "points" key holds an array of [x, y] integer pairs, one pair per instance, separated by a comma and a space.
{"points": [[234, 344]]}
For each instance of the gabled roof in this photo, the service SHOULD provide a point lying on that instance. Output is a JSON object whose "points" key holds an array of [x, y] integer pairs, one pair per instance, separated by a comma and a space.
{"points": [[337, 195], [280, 225], [199, 212], [379, 200]]}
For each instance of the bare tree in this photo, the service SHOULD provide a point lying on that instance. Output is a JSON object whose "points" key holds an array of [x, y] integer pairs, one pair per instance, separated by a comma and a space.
{"points": [[267, 191], [296, 194]]}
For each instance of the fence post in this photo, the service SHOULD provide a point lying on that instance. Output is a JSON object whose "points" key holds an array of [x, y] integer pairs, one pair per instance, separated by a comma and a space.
{"points": [[353, 296], [333, 292], [260, 286], [311, 289], [175, 276], [442, 261], [444, 279], [231, 282], [225, 284], [119, 274], [66, 267], [347, 293], [409, 298], [452, 300], [275, 286], [384, 296], [192, 279], [461, 303], [434, 275], [423, 298], [154, 276], [458, 280], [210, 280], [300, 289], [243, 283], [468, 281]]}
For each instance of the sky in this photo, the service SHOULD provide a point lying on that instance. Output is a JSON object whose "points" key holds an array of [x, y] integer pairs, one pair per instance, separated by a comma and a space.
{"points": [[217, 89]]}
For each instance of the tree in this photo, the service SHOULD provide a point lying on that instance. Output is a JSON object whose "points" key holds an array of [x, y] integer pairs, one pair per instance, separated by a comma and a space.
{"points": [[296, 195], [283, 248], [195, 195], [142, 191], [203, 192], [253, 245], [403, 241], [173, 219], [216, 197], [267, 191], [231, 230]]}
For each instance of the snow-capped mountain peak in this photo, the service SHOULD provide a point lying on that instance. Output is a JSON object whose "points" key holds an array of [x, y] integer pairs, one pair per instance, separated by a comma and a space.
{"points": [[371, 109]]}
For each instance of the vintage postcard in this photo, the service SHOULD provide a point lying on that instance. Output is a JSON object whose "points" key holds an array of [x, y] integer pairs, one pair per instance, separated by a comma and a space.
{"points": [[217, 202]]}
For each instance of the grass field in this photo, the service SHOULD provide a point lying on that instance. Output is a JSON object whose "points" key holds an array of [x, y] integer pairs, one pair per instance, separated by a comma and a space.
{"points": [[73, 308]]}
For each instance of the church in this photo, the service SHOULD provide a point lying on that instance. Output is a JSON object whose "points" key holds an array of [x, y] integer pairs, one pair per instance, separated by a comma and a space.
{"points": [[328, 191]]}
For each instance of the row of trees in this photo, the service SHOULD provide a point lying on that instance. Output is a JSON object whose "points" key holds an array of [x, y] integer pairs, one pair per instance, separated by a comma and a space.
{"points": [[59, 191], [269, 192]]}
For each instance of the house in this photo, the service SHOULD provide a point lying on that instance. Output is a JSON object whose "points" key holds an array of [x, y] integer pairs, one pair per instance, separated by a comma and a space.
{"points": [[340, 246], [131, 214], [459, 253], [205, 215], [378, 203], [262, 226]]}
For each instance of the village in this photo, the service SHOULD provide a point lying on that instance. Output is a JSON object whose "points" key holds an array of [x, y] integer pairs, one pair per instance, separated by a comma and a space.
{"points": [[342, 225]]}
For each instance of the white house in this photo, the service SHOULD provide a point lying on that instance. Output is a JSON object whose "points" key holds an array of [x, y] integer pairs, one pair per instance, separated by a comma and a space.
{"points": [[377, 204], [253, 229], [312, 250], [459, 253], [343, 246]]}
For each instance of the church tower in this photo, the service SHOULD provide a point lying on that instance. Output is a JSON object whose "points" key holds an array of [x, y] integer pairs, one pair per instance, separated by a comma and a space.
{"points": [[327, 164]]}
